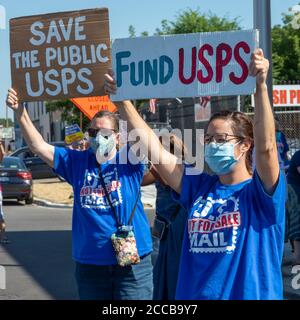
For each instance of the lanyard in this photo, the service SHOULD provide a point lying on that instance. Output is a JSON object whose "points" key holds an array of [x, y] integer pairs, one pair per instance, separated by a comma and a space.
{"points": [[111, 205]]}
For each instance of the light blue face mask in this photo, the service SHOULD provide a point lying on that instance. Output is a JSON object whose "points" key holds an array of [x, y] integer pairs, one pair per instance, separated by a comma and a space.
{"points": [[102, 146], [220, 157]]}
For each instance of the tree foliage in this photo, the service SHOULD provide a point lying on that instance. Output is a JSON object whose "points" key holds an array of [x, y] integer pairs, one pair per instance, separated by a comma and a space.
{"points": [[70, 113], [286, 49], [192, 21], [9, 122]]}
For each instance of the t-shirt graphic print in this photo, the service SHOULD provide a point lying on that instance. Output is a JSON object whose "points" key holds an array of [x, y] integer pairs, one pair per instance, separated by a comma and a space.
{"points": [[92, 193]]}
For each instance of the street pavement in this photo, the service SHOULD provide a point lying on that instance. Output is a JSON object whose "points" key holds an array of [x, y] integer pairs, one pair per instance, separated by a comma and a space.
{"points": [[38, 261]]}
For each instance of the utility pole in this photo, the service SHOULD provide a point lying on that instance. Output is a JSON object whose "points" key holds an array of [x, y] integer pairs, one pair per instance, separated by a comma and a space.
{"points": [[262, 22], [6, 120]]}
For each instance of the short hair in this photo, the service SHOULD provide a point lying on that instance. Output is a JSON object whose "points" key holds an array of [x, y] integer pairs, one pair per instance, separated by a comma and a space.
{"points": [[112, 117]]}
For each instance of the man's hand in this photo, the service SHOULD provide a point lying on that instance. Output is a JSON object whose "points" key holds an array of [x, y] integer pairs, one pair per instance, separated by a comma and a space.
{"points": [[12, 101], [259, 67], [110, 86]]}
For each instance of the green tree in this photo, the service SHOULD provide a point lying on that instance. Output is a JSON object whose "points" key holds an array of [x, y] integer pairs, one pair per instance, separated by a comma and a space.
{"points": [[9, 122], [131, 30], [70, 113], [192, 21], [286, 49]]}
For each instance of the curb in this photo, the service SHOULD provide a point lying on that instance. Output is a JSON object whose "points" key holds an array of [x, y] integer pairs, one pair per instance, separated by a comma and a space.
{"points": [[48, 204]]}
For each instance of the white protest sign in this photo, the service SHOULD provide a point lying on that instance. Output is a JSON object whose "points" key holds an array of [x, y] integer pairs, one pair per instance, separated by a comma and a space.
{"points": [[286, 95], [191, 65]]}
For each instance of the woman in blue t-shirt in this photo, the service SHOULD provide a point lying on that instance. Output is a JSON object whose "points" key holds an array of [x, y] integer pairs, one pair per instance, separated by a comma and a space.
{"points": [[106, 185], [234, 235]]}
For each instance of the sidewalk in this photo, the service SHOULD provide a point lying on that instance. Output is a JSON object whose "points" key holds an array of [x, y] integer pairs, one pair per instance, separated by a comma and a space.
{"points": [[52, 191]]}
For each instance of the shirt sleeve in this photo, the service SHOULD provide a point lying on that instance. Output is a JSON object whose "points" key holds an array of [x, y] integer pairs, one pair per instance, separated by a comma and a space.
{"points": [[269, 208], [194, 184], [63, 163]]}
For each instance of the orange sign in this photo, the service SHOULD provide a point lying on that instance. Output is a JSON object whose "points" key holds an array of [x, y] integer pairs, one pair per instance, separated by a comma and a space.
{"points": [[91, 105]]}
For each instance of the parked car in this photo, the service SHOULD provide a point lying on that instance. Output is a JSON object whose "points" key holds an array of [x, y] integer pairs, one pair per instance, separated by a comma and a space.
{"points": [[16, 180], [38, 167]]}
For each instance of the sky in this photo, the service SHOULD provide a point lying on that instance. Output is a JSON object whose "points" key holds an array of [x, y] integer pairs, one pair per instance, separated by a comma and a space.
{"points": [[143, 15]]}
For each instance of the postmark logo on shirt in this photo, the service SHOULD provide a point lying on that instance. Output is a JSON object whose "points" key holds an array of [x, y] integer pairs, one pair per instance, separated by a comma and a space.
{"points": [[92, 193], [214, 225]]}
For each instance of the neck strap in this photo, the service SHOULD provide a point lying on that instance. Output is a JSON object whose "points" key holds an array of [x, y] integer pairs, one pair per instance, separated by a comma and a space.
{"points": [[110, 203]]}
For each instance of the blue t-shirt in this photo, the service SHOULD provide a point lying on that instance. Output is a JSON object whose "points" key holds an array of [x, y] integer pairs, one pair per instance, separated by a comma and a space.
{"points": [[234, 240], [93, 220]]}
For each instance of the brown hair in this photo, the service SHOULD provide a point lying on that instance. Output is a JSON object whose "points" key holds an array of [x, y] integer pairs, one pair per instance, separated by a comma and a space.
{"points": [[112, 117], [241, 126]]}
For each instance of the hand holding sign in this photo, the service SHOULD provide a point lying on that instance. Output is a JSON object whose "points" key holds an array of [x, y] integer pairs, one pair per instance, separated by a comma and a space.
{"points": [[110, 85], [259, 66], [12, 100]]}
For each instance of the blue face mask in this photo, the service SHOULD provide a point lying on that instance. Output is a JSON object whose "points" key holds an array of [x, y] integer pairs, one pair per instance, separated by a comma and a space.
{"points": [[220, 157], [102, 146]]}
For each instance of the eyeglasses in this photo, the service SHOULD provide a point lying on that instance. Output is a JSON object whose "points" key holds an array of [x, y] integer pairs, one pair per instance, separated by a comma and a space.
{"points": [[220, 138], [104, 132]]}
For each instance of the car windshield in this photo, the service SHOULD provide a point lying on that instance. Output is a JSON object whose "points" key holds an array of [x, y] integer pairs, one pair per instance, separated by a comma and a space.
{"points": [[12, 163]]}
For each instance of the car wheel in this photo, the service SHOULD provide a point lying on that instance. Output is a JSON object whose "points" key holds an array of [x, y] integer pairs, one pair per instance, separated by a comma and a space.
{"points": [[29, 200]]}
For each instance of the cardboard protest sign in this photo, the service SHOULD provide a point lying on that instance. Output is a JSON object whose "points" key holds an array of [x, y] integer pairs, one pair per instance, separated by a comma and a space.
{"points": [[286, 95], [191, 65], [61, 55], [73, 133], [91, 105]]}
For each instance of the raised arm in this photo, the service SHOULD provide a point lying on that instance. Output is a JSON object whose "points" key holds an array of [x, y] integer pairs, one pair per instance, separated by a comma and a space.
{"points": [[34, 140], [267, 165], [165, 163]]}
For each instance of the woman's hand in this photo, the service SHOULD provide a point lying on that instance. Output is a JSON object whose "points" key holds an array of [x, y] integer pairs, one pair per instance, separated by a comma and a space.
{"points": [[259, 67]]}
